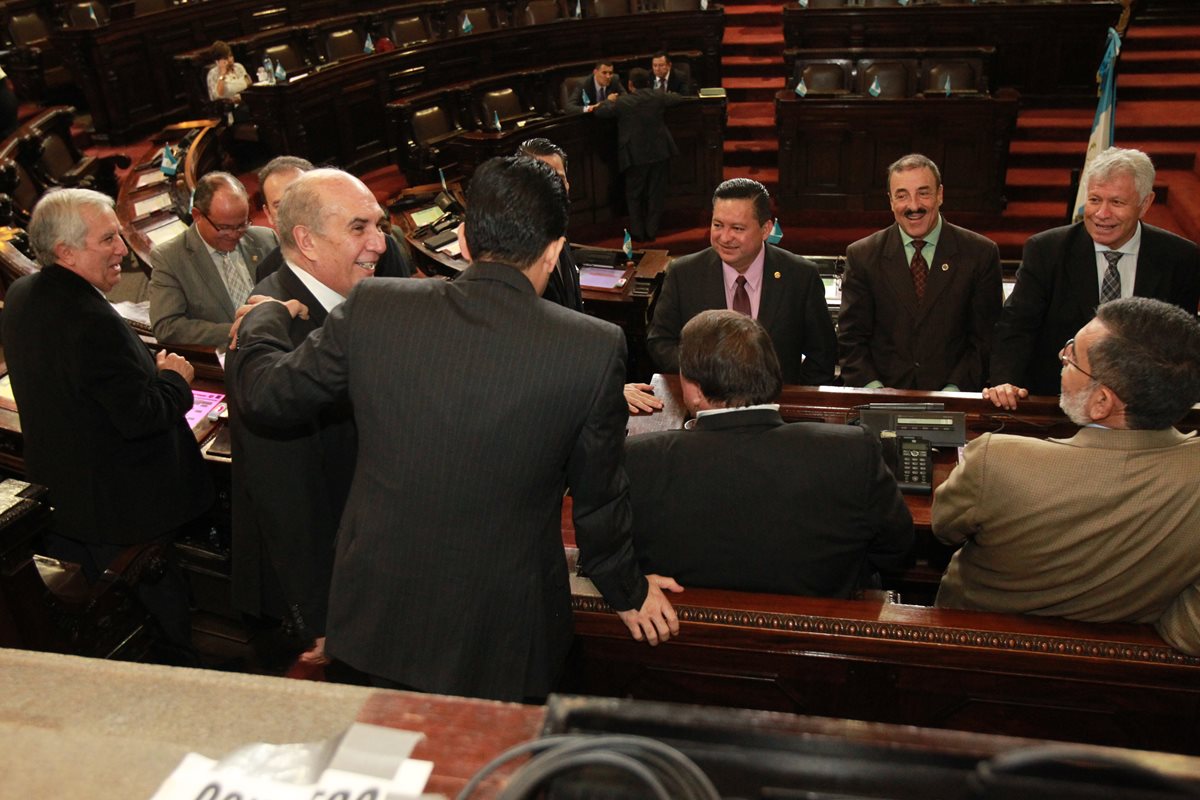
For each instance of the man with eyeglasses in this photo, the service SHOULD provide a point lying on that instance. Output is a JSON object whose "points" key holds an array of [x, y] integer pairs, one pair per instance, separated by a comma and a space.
{"points": [[1066, 272], [1104, 526], [205, 274], [919, 298]]}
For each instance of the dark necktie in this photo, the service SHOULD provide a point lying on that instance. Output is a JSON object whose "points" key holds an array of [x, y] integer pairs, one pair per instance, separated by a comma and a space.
{"points": [[918, 268], [1111, 288], [741, 299], [659, 83]]}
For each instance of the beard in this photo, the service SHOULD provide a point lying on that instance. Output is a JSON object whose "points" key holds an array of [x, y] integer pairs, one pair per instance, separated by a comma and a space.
{"points": [[1074, 404]]}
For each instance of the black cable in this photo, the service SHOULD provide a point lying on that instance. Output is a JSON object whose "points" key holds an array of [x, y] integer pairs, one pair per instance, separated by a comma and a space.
{"points": [[1067, 762], [525, 782]]}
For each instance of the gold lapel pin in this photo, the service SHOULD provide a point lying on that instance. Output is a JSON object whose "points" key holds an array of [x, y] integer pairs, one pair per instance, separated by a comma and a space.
{"points": [[777, 276], [945, 267]]}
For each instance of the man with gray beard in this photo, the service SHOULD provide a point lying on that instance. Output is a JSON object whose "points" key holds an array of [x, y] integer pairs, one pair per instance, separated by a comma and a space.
{"points": [[1103, 526]]}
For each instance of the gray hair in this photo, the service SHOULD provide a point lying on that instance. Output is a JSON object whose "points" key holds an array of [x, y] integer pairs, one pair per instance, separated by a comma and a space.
{"points": [[1114, 161], [1150, 358], [913, 161], [207, 186], [57, 220], [305, 203]]}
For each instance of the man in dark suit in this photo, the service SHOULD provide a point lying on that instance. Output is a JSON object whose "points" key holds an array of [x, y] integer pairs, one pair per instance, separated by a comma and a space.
{"points": [[743, 273], [273, 179], [1066, 272], [919, 298], [103, 421], [563, 287], [644, 150], [742, 500], [603, 84], [290, 482], [494, 402], [204, 275], [666, 78]]}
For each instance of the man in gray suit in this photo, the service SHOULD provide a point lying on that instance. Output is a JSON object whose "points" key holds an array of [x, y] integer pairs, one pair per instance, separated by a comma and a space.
{"points": [[203, 275], [1104, 526], [473, 417]]}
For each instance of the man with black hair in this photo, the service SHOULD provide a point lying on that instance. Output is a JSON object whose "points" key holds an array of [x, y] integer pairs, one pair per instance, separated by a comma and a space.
{"points": [[493, 402], [602, 85], [644, 150], [742, 500], [563, 287], [1104, 526], [743, 273]]}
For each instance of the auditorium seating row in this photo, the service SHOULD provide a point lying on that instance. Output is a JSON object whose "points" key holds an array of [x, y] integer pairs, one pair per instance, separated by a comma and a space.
{"points": [[892, 72], [1047, 51]]}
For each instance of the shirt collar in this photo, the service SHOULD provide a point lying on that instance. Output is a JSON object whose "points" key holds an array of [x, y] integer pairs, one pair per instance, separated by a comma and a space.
{"points": [[1131, 247], [753, 273], [713, 411], [931, 238], [327, 297]]}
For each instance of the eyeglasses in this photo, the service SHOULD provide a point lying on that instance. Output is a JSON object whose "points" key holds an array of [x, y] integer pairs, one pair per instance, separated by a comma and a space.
{"points": [[1067, 357], [239, 228]]}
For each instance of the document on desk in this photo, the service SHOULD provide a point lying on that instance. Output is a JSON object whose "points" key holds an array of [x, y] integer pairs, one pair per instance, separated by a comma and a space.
{"points": [[151, 204]]}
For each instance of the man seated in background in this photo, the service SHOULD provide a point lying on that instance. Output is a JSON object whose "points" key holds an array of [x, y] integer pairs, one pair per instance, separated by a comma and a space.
{"points": [[204, 275], [742, 500], [666, 78], [602, 85], [1104, 526]]}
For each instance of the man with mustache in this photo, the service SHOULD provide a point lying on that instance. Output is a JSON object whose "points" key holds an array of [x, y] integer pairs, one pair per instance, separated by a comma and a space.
{"points": [[290, 482], [919, 298], [1103, 526]]}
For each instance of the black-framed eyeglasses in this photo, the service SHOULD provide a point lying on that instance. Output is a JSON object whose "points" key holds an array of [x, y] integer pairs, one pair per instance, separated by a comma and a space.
{"points": [[1067, 357], [239, 228]]}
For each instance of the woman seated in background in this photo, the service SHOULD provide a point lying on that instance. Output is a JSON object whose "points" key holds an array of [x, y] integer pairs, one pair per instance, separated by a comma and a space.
{"points": [[227, 79]]}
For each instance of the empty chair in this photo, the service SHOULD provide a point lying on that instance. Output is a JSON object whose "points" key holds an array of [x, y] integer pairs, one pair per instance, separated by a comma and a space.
{"points": [[963, 76], [503, 103], [539, 12], [408, 31], [895, 77], [20, 193], [432, 125], [343, 44], [610, 8], [87, 15], [287, 55], [481, 20], [28, 30], [830, 76]]}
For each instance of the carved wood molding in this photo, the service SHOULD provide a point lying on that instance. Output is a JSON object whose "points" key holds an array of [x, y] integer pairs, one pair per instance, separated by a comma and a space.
{"points": [[919, 634]]}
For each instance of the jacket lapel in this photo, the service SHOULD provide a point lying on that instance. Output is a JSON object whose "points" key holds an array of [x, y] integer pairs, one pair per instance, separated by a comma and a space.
{"points": [[771, 296], [209, 277], [941, 267], [294, 288], [1150, 279], [1081, 272], [895, 269]]}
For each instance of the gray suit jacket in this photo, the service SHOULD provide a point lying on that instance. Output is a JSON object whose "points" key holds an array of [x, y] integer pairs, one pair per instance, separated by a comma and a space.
{"points": [[188, 300], [1042, 535], [886, 335], [461, 588], [792, 309]]}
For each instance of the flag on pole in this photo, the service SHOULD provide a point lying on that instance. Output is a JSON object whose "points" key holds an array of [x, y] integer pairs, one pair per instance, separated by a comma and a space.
{"points": [[467, 27], [776, 234], [369, 45], [801, 88], [442, 178], [875, 89], [587, 101], [946, 86], [1104, 124], [170, 162], [628, 245], [496, 121], [280, 72]]}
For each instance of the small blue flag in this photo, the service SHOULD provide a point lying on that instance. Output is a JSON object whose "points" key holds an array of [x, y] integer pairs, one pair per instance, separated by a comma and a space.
{"points": [[280, 72], [578, 9], [369, 45], [801, 88], [803, 3], [704, 5], [875, 89], [496, 121], [947, 86], [269, 66], [587, 101], [170, 162], [902, 2], [92, 13], [467, 27], [628, 245], [442, 178], [776, 234]]}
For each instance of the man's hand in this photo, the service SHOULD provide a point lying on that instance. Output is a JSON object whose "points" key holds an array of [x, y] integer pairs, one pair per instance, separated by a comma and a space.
{"points": [[1005, 395], [294, 307], [655, 621], [640, 398], [175, 363], [612, 96]]}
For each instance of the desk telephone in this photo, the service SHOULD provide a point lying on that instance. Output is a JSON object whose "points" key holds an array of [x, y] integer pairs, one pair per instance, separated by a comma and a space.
{"points": [[911, 461], [908, 433]]}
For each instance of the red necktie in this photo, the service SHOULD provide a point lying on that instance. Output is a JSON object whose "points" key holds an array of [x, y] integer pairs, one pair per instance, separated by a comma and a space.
{"points": [[741, 299], [918, 268]]}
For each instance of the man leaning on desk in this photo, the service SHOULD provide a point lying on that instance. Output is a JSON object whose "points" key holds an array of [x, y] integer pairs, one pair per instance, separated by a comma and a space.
{"points": [[1104, 526]]}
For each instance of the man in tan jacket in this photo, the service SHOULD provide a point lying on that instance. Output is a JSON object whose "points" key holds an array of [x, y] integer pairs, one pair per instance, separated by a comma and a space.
{"points": [[1104, 526]]}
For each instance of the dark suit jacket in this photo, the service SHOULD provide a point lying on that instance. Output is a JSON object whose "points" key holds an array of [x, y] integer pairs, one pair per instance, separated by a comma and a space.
{"points": [[675, 83], [189, 303], [595, 95], [460, 588], [103, 428], [746, 502], [394, 263], [563, 287], [1057, 293], [886, 335], [289, 488], [792, 309], [642, 136]]}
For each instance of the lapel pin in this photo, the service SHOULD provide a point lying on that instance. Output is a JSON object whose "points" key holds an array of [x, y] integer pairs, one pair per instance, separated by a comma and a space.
{"points": [[945, 267], [777, 276], [255, 259]]}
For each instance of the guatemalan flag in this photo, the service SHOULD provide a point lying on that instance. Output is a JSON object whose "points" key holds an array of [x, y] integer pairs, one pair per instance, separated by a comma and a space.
{"points": [[1104, 125]]}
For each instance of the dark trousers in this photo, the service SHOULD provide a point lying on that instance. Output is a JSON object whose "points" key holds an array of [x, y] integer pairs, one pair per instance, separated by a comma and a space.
{"points": [[166, 599], [645, 193]]}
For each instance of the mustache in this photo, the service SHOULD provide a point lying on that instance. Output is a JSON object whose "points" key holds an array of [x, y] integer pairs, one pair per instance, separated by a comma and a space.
{"points": [[917, 214]]}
